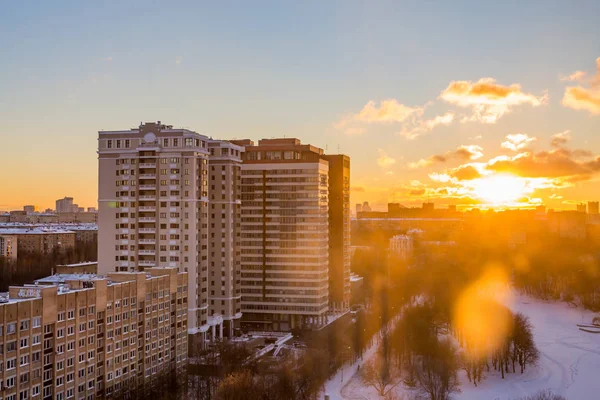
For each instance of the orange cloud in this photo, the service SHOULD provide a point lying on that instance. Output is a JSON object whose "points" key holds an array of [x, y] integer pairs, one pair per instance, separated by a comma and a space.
{"points": [[587, 99], [464, 152], [548, 164], [577, 76], [517, 141], [465, 172], [488, 100]]}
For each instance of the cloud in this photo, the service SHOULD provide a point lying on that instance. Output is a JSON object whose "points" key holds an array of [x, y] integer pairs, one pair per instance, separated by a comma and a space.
{"points": [[385, 161], [465, 172], [549, 164], [579, 98], [488, 100], [463, 153], [577, 76], [587, 99], [416, 192], [387, 112], [517, 141], [559, 139], [178, 60], [422, 126], [357, 189]]}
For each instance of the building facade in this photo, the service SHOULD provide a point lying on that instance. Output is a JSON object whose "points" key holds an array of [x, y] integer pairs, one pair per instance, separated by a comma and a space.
{"points": [[65, 205], [9, 247], [285, 235], [154, 210], [339, 232], [86, 337], [225, 300]]}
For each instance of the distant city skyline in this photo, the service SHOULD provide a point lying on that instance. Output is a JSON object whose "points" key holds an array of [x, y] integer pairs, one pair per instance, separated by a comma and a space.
{"points": [[432, 101]]}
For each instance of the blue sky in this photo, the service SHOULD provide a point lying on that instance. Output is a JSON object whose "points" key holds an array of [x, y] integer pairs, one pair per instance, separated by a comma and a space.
{"points": [[264, 69]]}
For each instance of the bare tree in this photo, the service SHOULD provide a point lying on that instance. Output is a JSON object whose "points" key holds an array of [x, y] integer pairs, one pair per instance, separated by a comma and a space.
{"points": [[382, 374], [436, 374]]}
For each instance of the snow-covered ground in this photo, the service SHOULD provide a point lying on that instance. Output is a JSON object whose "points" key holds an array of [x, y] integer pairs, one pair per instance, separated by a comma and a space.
{"points": [[569, 360]]}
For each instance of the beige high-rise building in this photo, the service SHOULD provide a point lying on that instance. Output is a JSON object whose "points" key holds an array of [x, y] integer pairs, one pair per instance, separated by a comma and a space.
{"points": [[224, 235], [80, 336], [285, 235], [154, 212]]}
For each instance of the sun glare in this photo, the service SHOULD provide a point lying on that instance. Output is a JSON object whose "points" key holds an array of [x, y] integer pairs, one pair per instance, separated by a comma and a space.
{"points": [[500, 189]]}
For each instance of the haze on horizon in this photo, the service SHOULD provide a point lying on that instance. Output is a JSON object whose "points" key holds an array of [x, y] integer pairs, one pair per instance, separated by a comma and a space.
{"points": [[464, 103]]}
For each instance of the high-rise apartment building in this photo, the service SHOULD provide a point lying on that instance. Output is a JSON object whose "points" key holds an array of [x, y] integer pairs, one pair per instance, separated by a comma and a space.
{"points": [[154, 212], [224, 217], [285, 234], [339, 232], [581, 207], [593, 207], [86, 337], [64, 205]]}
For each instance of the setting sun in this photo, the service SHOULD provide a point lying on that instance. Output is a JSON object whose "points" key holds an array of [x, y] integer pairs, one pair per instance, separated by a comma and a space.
{"points": [[500, 189]]}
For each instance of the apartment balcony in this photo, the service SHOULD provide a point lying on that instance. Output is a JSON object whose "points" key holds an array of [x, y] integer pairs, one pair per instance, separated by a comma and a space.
{"points": [[148, 165], [147, 241], [147, 263], [147, 230], [147, 176], [148, 197], [147, 252], [147, 219], [148, 187], [147, 208]]}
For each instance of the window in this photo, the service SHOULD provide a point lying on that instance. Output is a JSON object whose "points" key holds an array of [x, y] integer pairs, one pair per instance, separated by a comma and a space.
{"points": [[35, 390], [71, 314], [70, 393], [11, 364], [35, 339], [11, 328], [70, 330], [61, 316], [24, 342], [36, 322], [109, 144], [24, 360]]}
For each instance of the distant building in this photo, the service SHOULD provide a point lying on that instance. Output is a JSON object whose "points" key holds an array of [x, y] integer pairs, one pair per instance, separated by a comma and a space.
{"points": [[428, 207], [29, 209], [92, 209], [402, 246], [366, 207], [581, 207], [43, 241], [88, 337], [358, 208], [393, 208], [592, 207], [64, 205], [568, 224], [18, 216], [8, 247], [452, 208]]}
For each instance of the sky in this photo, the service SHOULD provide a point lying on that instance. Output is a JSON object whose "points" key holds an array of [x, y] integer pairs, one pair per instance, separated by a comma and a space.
{"points": [[487, 104]]}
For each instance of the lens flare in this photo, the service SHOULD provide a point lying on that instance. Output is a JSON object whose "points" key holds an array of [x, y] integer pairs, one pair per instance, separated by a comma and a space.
{"points": [[480, 319]]}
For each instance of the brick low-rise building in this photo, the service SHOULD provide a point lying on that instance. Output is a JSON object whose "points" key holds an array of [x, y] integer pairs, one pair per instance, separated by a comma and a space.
{"points": [[84, 336]]}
